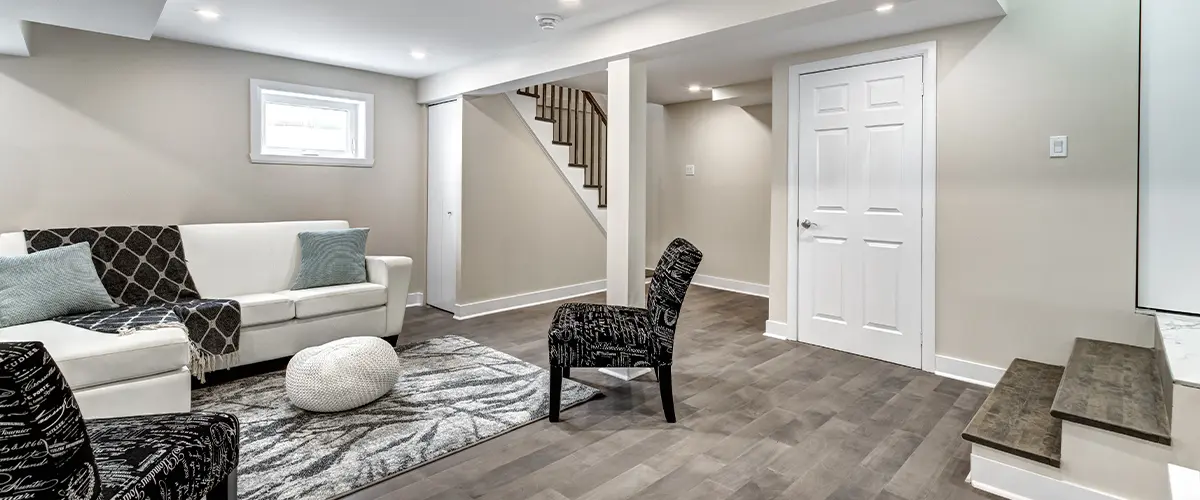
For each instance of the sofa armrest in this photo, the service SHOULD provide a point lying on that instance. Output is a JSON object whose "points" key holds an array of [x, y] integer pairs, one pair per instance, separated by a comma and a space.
{"points": [[395, 274]]}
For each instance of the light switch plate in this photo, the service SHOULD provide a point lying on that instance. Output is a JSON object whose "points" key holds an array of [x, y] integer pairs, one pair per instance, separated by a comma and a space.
{"points": [[689, 170], [1058, 146]]}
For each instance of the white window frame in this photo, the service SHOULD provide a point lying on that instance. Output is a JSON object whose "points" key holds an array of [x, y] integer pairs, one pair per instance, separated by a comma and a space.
{"points": [[360, 105]]}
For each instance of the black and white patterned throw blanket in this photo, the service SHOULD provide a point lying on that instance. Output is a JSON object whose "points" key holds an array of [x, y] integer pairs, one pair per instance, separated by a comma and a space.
{"points": [[145, 272]]}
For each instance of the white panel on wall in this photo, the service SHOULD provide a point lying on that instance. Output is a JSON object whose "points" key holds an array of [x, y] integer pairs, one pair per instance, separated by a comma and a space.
{"points": [[1169, 246]]}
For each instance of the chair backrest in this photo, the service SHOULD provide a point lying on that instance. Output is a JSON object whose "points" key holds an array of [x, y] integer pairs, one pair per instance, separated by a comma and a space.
{"points": [[46, 452], [669, 285]]}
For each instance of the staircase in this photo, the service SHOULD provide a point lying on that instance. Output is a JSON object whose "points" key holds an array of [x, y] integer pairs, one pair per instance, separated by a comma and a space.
{"points": [[573, 130], [1097, 429]]}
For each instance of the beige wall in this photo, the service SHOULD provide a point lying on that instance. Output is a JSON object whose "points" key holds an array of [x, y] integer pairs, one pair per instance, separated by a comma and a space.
{"points": [[1031, 251], [101, 130], [725, 208], [523, 229]]}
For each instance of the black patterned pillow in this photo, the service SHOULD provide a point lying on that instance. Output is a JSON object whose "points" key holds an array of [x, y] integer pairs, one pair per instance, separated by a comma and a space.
{"points": [[138, 265], [46, 451]]}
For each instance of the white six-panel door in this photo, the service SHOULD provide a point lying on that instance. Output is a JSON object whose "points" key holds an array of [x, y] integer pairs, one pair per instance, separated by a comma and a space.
{"points": [[859, 258]]}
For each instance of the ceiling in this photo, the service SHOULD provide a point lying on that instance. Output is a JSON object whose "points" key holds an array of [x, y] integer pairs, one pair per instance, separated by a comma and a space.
{"points": [[751, 59], [379, 35]]}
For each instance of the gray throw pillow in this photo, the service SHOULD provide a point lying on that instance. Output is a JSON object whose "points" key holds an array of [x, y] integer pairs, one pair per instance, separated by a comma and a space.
{"points": [[330, 258], [50, 283]]}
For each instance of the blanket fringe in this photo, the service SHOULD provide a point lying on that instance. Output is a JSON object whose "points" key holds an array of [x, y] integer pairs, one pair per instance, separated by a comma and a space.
{"points": [[161, 326], [202, 363]]}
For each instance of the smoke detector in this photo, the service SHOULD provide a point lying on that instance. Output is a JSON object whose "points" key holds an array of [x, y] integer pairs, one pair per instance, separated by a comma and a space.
{"points": [[548, 22]]}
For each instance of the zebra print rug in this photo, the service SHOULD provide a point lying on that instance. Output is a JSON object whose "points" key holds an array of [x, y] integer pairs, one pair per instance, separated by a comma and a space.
{"points": [[452, 394]]}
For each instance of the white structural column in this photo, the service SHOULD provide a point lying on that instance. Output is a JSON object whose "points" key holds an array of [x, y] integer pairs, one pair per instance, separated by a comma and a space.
{"points": [[626, 189]]}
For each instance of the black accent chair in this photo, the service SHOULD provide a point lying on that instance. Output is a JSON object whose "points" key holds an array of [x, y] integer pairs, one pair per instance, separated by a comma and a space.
{"points": [[603, 336], [50, 451]]}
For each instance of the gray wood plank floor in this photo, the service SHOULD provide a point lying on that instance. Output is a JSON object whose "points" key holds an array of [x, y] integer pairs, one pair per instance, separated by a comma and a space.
{"points": [[758, 419]]}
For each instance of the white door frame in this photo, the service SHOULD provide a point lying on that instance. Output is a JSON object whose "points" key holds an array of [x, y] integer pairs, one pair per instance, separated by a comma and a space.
{"points": [[928, 52]]}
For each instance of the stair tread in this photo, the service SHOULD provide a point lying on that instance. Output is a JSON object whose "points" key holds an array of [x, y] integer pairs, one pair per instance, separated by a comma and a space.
{"points": [[1016, 417], [1114, 387]]}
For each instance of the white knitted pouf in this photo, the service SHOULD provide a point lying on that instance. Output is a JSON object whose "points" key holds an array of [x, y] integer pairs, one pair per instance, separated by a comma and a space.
{"points": [[341, 375]]}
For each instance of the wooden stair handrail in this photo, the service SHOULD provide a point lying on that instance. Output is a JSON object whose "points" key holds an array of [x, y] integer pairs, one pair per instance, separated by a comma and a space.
{"points": [[596, 106]]}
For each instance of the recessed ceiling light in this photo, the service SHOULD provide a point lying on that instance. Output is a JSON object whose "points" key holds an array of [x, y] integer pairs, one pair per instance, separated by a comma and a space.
{"points": [[570, 3], [209, 14], [887, 7], [694, 88], [417, 54]]}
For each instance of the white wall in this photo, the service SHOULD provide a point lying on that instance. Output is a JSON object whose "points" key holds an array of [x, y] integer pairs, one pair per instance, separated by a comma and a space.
{"points": [[1169, 254], [725, 208], [1032, 252], [99, 129], [523, 229]]}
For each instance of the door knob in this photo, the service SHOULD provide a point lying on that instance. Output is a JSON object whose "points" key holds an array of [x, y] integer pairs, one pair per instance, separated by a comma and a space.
{"points": [[807, 224]]}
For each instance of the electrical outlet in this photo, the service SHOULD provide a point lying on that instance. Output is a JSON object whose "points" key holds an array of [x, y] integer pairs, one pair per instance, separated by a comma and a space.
{"points": [[689, 170]]}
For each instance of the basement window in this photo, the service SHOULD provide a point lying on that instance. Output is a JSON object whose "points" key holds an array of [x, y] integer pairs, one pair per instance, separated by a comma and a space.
{"points": [[301, 125]]}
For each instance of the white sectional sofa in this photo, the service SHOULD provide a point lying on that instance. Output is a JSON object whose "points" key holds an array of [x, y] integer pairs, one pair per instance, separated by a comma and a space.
{"points": [[146, 372]]}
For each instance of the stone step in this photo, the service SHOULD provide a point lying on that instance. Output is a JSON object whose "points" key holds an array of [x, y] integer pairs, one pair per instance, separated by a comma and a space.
{"points": [[1016, 419], [1115, 387]]}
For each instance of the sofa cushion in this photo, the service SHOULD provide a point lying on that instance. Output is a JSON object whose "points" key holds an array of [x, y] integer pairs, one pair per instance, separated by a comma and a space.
{"points": [[265, 308], [13, 244], [228, 260], [335, 299], [88, 358]]}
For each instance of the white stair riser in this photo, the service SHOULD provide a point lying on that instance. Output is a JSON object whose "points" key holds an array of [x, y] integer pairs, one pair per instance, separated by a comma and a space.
{"points": [[560, 155], [1117, 464], [1185, 427], [1016, 478]]}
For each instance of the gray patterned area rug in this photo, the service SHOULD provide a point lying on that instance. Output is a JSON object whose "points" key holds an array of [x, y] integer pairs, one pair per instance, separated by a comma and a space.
{"points": [[452, 394]]}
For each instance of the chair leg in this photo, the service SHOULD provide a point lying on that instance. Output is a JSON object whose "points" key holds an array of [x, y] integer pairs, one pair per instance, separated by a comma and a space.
{"points": [[664, 388], [556, 376], [566, 372], [226, 489]]}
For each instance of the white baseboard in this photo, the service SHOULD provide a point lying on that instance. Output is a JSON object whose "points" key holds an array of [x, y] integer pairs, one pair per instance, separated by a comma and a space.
{"points": [[416, 299], [778, 330], [729, 285], [625, 374], [1014, 483], [967, 371], [483, 308]]}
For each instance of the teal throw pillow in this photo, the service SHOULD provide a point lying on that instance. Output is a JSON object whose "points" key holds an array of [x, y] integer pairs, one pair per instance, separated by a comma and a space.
{"points": [[50, 283], [330, 258]]}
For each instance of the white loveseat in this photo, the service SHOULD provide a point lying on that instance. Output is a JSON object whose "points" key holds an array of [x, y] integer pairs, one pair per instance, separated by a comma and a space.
{"points": [[146, 372]]}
